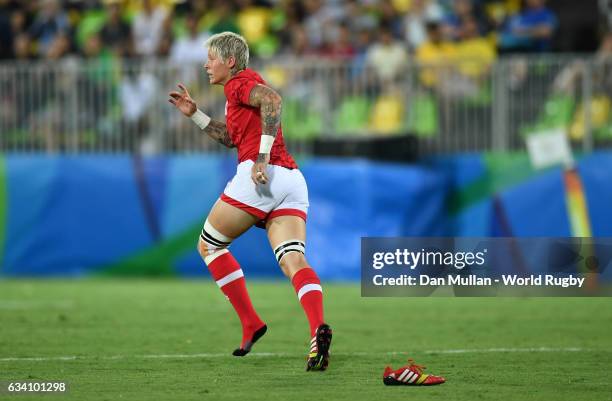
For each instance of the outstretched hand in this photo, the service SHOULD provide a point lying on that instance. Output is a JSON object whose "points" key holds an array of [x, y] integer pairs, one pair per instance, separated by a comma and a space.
{"points": [[183, 101]]}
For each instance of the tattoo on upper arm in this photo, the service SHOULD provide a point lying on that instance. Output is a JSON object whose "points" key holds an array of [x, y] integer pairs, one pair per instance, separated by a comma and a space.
{"points": [[269, 103], [218, 131]]}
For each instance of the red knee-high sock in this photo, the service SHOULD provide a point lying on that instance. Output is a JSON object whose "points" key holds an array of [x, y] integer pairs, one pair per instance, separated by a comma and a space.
{"points": [[309, 291], [229, 277]]}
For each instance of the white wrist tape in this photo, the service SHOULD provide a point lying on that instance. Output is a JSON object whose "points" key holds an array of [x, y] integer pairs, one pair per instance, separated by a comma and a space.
{"points": [[200, 119], [265, 145]]}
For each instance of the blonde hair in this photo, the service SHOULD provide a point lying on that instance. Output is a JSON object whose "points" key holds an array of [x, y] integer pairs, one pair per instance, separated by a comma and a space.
{"points": [[229, 44]]}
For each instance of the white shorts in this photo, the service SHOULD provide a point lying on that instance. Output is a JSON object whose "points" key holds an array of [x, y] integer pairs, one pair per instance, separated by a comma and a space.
{"points": [[285, 194]]}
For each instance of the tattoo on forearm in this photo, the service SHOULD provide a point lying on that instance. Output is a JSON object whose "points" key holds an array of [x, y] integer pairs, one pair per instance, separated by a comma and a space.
{"points": [[261, 158], [218, 131], [269, 103], [270, 118]]}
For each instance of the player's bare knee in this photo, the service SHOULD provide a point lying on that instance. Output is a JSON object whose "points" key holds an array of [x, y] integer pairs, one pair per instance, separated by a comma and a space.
{"points": [[202, 248], [293, 261], [290, 254], [212, 243]]}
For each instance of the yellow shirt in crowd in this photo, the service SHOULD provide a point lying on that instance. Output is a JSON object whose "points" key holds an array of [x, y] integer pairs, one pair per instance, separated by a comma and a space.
{"points": [[435, 58], [472, 58]]}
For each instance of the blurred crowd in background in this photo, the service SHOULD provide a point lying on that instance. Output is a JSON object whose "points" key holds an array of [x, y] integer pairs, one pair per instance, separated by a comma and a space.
{"points": [[426, 67], [51, 29]]}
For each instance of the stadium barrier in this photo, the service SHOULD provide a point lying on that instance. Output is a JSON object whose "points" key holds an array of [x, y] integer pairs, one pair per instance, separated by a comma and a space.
{"points": [[113, 106], [82, 215]]}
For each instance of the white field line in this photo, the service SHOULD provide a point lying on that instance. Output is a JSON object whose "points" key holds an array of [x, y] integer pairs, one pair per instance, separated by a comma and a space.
{"points": [[495, 350], [274, 354]]}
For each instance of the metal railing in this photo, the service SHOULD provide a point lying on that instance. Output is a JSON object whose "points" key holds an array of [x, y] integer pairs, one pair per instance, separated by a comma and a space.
{"points": [[121, 106]]}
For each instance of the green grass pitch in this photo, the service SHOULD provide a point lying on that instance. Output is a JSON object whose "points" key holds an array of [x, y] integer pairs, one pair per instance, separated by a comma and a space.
{"points": [[172, 340]]}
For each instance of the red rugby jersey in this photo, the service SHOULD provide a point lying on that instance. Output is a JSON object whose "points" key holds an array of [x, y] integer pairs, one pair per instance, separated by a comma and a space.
{"points": [[243, 121]]}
